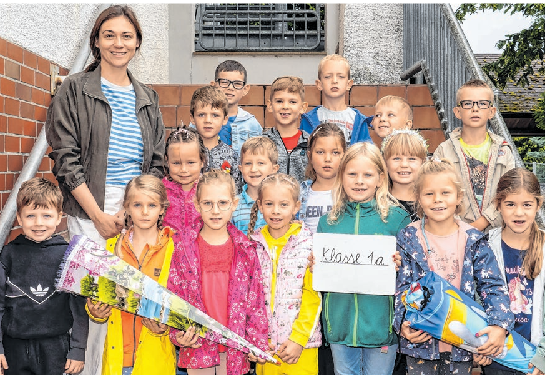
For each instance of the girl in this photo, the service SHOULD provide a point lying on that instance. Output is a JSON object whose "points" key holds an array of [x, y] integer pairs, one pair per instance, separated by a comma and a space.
{"points": [[136, 345], [404, 151], [459, 253], [518, 247], [185, 157], [293, 306], [215, 268], [367, 345], [326, 147]]}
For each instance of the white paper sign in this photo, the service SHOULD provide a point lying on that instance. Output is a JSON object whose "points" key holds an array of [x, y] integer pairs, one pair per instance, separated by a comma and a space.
{"points": [[360, 264]]}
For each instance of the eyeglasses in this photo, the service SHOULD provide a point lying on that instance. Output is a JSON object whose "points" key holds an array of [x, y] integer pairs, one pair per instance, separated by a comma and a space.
{"points": [[468, 104], [209, 205], [225, 83]]}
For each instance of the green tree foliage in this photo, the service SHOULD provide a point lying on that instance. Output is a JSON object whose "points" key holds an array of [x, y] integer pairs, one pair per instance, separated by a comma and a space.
{"points": [[531, 149]]}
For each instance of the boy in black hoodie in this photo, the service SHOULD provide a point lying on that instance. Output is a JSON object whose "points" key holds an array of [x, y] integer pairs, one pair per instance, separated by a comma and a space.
{"points": [[35, 318]]}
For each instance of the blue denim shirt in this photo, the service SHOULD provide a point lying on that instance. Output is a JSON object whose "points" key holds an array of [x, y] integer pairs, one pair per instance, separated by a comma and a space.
{"points": [[243, 127]]}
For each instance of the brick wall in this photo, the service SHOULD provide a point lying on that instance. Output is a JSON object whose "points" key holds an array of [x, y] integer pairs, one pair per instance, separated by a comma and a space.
{"points": [[174, 101], [24, 98]]}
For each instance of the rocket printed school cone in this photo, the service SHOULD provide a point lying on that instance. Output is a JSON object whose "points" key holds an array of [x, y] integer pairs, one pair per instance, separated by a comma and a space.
{"points": [[94, 272], [438, 308]]}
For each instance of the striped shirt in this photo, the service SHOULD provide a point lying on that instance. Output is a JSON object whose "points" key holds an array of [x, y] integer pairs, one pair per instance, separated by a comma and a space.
{"points": [[241, 216], [126, 150]]}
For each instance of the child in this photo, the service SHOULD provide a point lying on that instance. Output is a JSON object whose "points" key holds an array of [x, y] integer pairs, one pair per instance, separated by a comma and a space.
{"points": [[361, 205], [222, 263], [293, 306], [136, 345], [334, 82], [258, 159], [42, 331], [231, 77], [404, 151], [208, 111], [326, 147], [518, 247], [391, 113], [479, 156], [287, 103], [460, 254], [185, 157]]}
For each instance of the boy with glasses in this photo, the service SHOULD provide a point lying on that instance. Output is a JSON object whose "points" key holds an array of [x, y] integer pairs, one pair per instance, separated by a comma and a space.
{"points": [[231, 77], [480, 156]]}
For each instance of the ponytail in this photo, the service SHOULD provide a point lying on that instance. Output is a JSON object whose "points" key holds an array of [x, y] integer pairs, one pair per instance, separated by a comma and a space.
{"points": [[533, 260], [253, 220]]}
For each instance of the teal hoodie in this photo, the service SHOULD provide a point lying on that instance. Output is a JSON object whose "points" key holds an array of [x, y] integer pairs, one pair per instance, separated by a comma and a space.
{"points": [[360, 319]]}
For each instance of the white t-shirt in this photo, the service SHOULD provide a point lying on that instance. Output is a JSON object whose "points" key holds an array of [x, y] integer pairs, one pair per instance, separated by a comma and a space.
{"points": [[344, 119], [319, 203]]}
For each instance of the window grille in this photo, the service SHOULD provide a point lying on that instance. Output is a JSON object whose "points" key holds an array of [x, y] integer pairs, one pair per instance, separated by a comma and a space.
{"points": [[259, 27]]}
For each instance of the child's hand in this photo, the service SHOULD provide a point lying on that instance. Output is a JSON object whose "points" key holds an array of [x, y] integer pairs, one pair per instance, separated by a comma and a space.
{"points": [[98, 309], [311, 262], [481, 360], [154, 327], [397, 260], [3, 363], [414, 336], [261, 361], [536, 370], [493, 347], [289, 352], [188, 338], [73, 367]]}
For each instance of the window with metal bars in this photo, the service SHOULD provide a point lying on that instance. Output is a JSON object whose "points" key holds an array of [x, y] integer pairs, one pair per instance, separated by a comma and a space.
{"points": [[260, 27]]}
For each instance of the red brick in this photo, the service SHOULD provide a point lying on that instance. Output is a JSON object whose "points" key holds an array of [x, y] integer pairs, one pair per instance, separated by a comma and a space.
{"points": [[29, 128], [50, 176], [40, 113], [269, 119], [28, 111], [44, 165], [254, 97], [23, 92], [425, 118], [14, 233], [7, 87], [2, 63], [397, 90], [267, 94], [2, 181], [27, 75], [434, 138], [363, 96], [15, 163], [187, 92], [3, 47], [30, 59], [168, 94], [313, 96], [12, 70], [182, 115], [367, 111], [258, 112], [38, 96], [2, 144], [419, 95], [10, 180], [44, 66], [12, 106], [376, 139], [3, 123], [15, 52], [43, 81], [27, 144], [47, 98], [169, 116], [1, 104], [15, 125], [12, 144]]}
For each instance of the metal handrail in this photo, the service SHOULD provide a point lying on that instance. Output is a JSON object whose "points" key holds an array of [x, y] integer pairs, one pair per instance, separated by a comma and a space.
{"points": [[38, 151]]}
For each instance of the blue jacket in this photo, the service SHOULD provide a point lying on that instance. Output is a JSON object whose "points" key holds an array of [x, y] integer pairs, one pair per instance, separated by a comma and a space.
{"points": [[480, 273], [244, 126], [360, 132]]}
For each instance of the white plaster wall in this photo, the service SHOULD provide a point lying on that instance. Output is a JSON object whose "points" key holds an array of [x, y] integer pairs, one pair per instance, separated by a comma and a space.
{"points": [[56, 31]]}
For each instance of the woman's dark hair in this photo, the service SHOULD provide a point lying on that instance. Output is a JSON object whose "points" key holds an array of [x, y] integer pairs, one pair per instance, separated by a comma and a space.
{"points": [[112, 12]]}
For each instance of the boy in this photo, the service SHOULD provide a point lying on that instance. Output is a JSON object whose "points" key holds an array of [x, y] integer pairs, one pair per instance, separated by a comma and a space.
{"points": [[391, 113], [36, 320], [258, 159], [287, 104], [480, 156], [231, 77], [208, 111], [334, 82]]}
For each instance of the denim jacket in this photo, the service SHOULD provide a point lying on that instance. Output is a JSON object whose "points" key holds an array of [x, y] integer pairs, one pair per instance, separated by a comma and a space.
{"points": [[245, 126], [480, 273]]}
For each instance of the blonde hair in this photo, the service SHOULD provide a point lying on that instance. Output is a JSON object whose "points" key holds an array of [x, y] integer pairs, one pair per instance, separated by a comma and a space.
{"points": [[515, 181], [215, 177], [260, 144], [325, 129], [333, 57], [383, 198], [291, 84], [147, 184], [39, 192], [388, 99], [474, 83], [273, 179], [208, 95], [404, 142], [435, 167]]}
